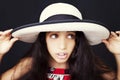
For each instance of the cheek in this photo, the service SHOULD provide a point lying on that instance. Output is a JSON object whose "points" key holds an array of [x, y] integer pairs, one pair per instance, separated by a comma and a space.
{"points": [[71, 45], [50, 46]]}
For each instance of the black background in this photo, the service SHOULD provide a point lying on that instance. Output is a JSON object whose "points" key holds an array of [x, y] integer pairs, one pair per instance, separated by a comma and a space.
{"points": [[14, 13]]}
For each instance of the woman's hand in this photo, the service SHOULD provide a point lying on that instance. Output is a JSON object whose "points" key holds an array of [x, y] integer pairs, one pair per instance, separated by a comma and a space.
{"points": [[113, 43], [6, 41]]}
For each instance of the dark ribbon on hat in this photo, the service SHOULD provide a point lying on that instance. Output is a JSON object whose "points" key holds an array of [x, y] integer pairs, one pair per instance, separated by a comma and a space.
{"points": [[64, 18], [61, 18]]}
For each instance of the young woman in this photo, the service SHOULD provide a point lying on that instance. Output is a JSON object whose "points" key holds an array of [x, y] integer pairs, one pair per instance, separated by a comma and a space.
{"points": [[61, 47]]}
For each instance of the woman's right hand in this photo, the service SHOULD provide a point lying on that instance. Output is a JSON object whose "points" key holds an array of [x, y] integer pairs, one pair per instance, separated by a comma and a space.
{"points": [[6, 42]]}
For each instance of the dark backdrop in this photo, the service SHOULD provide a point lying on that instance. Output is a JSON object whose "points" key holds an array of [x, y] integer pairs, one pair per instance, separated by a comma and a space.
{"points": [[14, 13]]}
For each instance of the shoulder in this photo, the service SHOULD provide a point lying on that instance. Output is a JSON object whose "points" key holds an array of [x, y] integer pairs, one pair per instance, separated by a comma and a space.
{"points": [[18, 70]]}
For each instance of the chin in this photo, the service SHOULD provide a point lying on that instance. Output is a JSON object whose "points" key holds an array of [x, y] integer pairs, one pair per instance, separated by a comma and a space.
{"points": [[61, 61]]}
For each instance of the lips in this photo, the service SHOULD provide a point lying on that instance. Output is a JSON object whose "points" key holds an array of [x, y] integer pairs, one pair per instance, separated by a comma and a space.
{"points": [[61, 55]]}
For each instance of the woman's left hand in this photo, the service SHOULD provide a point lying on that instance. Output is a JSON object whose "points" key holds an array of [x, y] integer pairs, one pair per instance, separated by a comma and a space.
{"points": [[113, 43]]}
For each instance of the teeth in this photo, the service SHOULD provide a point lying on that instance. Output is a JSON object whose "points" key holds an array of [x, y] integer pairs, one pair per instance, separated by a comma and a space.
{"points": [[62, 55]]}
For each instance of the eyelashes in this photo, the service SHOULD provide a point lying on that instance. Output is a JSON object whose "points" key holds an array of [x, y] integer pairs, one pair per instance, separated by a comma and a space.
{"points": [[53, 36], [71, 36]]}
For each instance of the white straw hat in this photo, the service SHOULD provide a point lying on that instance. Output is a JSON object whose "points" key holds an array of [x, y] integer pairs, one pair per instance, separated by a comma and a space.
{"points": [[62, 17]]}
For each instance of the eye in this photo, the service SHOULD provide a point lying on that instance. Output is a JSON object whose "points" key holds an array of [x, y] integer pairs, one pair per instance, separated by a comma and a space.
{"points": [[53, 36], [71, 36]]}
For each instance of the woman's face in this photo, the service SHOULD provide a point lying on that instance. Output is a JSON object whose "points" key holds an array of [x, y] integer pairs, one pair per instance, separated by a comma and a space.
{"points": [[60, 45]]}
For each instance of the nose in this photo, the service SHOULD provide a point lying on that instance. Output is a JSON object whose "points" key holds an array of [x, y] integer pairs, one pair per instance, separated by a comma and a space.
{"points": [[63, 44]]}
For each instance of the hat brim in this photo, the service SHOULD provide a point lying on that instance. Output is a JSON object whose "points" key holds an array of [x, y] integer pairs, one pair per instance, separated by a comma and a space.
{"points": [[94, 32]]}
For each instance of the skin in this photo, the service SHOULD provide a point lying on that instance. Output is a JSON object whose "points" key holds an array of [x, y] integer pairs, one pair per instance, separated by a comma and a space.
{"points": [[6, 42], [60, 46], [113, 45]]}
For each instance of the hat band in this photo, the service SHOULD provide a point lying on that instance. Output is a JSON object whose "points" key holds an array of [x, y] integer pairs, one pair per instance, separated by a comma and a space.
{"points": [[61, 18]]}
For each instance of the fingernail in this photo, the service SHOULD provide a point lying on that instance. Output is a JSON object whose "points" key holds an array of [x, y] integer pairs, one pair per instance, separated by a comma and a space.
{"points": [[117, 31], [10, 29]]}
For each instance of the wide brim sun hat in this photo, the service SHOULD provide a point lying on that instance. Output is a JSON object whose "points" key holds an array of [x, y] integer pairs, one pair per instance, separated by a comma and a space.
{"points": [[62, 17]]}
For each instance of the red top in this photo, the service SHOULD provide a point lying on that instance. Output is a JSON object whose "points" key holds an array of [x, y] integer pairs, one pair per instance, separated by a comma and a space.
{"points": [[58, 74]]}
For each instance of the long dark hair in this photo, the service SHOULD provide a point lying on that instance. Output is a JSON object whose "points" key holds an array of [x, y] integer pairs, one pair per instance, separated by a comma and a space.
{"points": [[83, 64]]}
